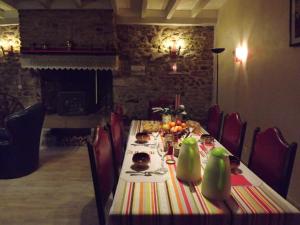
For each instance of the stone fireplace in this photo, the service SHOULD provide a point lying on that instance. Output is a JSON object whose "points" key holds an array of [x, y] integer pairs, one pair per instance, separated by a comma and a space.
{"points": [[76, 92], [95, 38], [74, 54]]}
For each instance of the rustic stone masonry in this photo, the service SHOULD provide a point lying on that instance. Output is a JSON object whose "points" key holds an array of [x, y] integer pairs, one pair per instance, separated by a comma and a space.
{"points": [[21, 83], [144, 46], [137, 45], [83, 28]]}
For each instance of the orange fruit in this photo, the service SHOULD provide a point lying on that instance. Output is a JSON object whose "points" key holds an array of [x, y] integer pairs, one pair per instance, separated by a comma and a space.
{"points": [[173, 129], [183, 125], [172, 124], [179, 128]]}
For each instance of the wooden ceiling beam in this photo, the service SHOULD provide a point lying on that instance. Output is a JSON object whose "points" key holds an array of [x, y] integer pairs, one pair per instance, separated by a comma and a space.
{"points": [[115, 6], [7, 5], [144, 8], [199, 7], [171, 8]]}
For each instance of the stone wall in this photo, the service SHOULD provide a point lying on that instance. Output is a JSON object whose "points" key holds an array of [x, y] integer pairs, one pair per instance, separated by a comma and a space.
{"points": [[145, 45], [84, 28], [20, 83], [137, 45]]}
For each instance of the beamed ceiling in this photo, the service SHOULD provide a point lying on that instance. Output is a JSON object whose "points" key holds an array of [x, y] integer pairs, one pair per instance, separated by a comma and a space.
{"points": [[178, 12]]}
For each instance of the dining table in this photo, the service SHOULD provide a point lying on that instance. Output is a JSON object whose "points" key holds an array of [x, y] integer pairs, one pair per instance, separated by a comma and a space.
{"points": [[160, 198]]}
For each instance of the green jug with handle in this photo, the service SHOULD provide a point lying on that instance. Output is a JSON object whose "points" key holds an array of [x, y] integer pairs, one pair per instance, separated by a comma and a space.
{"points": [[216, 184], [189, 165]]}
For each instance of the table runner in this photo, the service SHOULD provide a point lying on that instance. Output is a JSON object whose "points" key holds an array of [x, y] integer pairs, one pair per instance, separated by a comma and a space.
{"points": [[175, 202], [171, 201]]}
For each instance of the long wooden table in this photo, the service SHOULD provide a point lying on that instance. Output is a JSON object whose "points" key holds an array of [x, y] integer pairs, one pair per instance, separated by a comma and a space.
{"points": [[142, 201]]}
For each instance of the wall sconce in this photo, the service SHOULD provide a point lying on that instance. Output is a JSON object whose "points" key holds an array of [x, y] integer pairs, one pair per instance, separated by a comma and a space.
{"points": [[241, 54], [174, 48], [6, 47]]}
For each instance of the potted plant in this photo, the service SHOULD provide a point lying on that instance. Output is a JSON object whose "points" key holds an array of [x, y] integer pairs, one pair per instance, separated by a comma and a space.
{"points": [[170, 113]]}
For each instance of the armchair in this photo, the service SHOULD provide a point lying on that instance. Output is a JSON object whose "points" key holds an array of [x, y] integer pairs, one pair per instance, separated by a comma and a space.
{"points": [[20, 141]]}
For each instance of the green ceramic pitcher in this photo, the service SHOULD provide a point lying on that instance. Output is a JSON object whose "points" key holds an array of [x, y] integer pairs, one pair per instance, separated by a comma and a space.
{"points": [[189, 166], [216, 183]]}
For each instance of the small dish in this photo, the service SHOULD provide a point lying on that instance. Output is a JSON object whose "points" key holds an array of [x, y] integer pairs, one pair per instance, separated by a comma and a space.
{"points": [[234, 162], [142, 137], [141, 159], [207, 139]]}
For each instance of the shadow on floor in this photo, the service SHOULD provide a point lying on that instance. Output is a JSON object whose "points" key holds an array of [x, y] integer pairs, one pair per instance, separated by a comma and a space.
{"points": [[89, 214]]}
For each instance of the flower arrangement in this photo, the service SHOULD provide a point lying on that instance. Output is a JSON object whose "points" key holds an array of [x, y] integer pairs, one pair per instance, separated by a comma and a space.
{"points": [[171, 110]]}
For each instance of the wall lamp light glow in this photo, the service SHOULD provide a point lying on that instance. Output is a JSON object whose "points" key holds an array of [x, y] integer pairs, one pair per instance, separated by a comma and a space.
{"points": [[174, 45], [6, 47], [174, 48], [241, 54], [174, 67]]}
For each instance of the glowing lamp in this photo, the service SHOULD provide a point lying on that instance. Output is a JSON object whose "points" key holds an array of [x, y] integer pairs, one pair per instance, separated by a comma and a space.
{"points": [[241, 54], [174, 67], [6, 47], [174, 48]]}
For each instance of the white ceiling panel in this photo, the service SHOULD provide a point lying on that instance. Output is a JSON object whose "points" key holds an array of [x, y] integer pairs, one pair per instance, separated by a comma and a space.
{"points": [[186, 12], [157, 4], [214, 4], [186, 4]]}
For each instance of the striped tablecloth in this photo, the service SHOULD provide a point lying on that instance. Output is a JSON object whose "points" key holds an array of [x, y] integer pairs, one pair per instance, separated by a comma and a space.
{"points": [[175, 202]]}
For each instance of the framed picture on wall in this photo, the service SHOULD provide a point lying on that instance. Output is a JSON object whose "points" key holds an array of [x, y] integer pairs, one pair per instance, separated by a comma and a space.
{"points": [[294, 22]]}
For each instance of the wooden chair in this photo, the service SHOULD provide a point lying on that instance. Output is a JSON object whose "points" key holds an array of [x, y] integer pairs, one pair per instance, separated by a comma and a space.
{"points": [[161, 102], [272, 159], [233, 134], [214, 121], [8, 105], [103, 172], [117, 134]]}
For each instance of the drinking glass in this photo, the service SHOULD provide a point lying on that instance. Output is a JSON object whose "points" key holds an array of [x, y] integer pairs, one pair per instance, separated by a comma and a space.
{"points": [[162, 153], [155, 134]]}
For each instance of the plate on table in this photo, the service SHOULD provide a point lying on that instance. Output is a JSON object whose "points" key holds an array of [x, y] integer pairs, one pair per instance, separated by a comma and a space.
{"points": [[142, 137], [140, 161]]}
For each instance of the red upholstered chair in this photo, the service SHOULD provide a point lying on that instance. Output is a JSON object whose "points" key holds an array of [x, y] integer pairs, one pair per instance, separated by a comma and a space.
{"points": [[103, 171], [214, 121], [272, 159], [233, 134], [119, 109], [117, 134], [161, 102]]}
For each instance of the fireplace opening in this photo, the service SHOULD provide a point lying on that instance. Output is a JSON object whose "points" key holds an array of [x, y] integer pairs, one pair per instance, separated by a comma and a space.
{"points": [[76, 92]]}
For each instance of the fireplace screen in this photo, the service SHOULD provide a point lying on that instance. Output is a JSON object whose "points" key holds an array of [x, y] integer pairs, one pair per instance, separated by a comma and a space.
{"points": [[71, 103], [76, 92]]}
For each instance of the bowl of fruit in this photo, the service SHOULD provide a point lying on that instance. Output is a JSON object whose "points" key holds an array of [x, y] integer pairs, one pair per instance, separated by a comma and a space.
{"points": [[177, 127]]}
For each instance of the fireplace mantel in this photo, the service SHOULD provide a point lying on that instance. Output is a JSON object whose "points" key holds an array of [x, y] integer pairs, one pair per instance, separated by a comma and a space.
{"points": [[69, 61]]}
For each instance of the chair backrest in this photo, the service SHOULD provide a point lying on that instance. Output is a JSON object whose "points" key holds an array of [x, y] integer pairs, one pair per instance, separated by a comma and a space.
{"points": [[25, 129], [233, 134], [8, 105], [272, 159], [101, 162], [214, 121], [117, 132], [119, 109], [161, 102]]}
